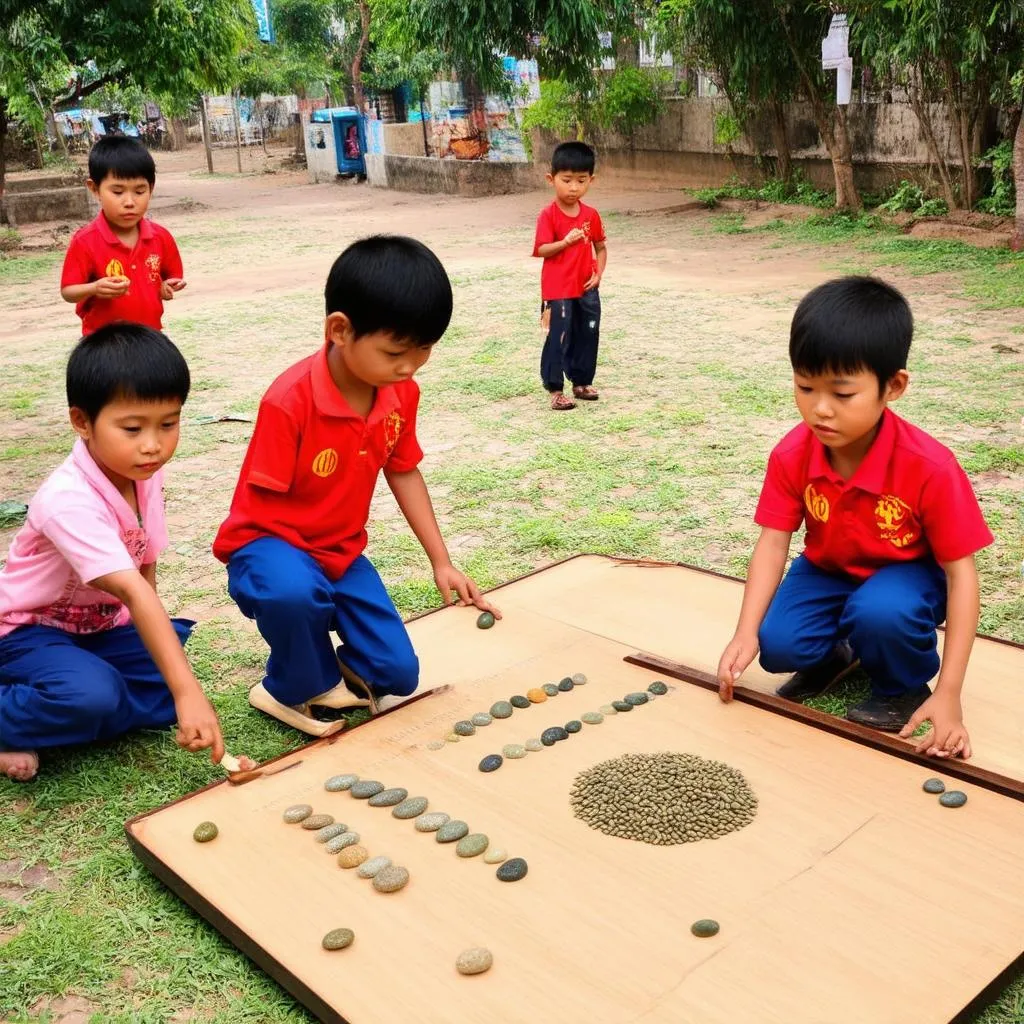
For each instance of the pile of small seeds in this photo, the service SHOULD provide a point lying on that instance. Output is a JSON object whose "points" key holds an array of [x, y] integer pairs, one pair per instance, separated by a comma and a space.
{"points": [[663, 798]]}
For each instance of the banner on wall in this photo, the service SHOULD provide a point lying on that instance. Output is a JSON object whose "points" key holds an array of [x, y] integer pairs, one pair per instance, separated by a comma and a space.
{"points": [[264, 26]]}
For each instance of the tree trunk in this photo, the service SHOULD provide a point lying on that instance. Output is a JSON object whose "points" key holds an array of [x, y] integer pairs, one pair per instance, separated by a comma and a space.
{"points": [[263, 127], [357, 61], [3, 155], [61, 141], [423, 121], [1017, 243], [966, 112], [919, 104], [37, 138], [237, 113], [780, 139], [206, 133]]}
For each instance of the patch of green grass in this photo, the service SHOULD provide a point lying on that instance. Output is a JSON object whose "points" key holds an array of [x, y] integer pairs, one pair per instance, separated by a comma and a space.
{"points": [[23, 269], [984, 457]]}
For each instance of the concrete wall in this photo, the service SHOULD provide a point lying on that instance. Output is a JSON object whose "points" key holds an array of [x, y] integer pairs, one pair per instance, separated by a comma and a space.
{"points": [[452, 177], [404, 139], [38, 197]]}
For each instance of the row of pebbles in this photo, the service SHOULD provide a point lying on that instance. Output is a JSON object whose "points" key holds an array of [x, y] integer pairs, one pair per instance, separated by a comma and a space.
{"points": [[549, 737], [337, 839], [954, 798], [663, 799], [505, 709]]}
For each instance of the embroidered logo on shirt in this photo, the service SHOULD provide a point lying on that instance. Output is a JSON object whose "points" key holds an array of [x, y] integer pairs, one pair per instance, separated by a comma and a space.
{"points": [[326, 462], [153, 263], [392, 432], [817, 504], [895, 521], [115, 268]]}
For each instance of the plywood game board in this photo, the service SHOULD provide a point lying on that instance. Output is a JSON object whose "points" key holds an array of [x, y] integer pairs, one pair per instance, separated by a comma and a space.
{"points": [[853, 896]]}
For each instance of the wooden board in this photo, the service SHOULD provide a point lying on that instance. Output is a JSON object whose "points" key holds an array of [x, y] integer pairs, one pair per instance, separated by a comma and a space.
{"points": [[853, 896]]}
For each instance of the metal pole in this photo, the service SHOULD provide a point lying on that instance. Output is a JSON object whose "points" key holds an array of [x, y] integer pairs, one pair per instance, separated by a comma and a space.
{"points": [[238, 128]]}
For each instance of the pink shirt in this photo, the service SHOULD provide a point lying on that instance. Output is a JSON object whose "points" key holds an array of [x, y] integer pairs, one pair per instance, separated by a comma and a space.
{"points": [[79, 528]]}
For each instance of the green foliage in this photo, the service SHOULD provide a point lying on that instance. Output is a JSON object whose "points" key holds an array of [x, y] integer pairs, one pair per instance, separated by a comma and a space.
{"points": [[1002, 199], [727, 129], [561, 110], [629, 98], [799, 191], [911, 198], [9, 239]]}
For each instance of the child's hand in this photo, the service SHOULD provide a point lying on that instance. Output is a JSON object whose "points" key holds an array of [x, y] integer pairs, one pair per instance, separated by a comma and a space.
{"points": [[735, 658], [574, 236], [593, 281], [111, 287], [198, 728], [947, 736], [448, 578], [170, 286]]}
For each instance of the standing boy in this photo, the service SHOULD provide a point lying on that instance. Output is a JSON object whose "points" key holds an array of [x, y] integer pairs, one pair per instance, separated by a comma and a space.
{"points": [[570, 239], [87, 651], [121, 266], [294, 537], [892, 529]]}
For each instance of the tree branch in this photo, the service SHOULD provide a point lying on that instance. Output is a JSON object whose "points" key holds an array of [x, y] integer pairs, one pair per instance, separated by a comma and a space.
{"points": [[78, 95]]}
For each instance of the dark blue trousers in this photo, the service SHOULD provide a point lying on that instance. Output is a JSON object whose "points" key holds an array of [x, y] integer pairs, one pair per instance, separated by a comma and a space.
{"points": [[59, 688], [888, 619], [296, 607], [570, 348]]}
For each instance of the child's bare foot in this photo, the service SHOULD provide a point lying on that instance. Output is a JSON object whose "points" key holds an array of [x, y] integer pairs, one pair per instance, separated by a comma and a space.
{"points": [[19, 766]]}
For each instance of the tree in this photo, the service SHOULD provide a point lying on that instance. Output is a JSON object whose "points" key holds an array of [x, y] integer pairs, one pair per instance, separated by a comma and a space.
{"points": [[1017, 242]]}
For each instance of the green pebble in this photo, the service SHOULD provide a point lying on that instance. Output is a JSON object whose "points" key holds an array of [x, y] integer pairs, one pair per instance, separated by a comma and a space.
{"points": [[411, 808], [574, 726], [339, 938], [513, 750], [452, 831], [519, 701], [365, 788], [934, 786], [953, 798], [501, 709], [551, 689], [339, 783], [204, 832], [464, 728], [484, 620], [482, 718], [704, 928], [592, 717], [472, 845], [565, 685], [622, 705], [512, 870], [636, 699], [658, 688], [388, 797]]}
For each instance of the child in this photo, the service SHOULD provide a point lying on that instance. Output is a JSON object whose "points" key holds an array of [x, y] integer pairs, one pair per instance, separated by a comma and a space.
{"points": [[87, 651], [121, 266], [892, 529], [294, 537], [570, 239]]}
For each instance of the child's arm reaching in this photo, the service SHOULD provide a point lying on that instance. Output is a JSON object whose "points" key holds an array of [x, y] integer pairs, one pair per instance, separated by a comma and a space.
{"points": [[948, 737], [198, 728], [104, 288], [764, 574], [574, 237], [413, 499]]}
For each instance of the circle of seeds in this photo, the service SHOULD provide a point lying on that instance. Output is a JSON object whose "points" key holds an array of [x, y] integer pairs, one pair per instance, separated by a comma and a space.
{"points": [[663, 799]]}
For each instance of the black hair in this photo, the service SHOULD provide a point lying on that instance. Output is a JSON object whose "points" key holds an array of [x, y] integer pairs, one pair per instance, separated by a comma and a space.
{"points": [[850, 325], [573, 156], [391, 283], [120, 156], [125, 360]]}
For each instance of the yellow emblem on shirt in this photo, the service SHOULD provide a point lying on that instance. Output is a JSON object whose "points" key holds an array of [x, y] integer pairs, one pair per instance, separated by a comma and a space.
{"points": [[326, 462], [817, 504]]}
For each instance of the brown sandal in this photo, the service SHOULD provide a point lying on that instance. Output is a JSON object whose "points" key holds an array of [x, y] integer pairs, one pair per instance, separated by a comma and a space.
{"points": [[586, 393], [560, 403]]}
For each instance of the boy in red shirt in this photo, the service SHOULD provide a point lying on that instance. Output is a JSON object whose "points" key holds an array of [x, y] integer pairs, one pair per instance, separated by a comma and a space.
{"points": [[892, 529], [570, 239], [121, 266], [294, 537]]}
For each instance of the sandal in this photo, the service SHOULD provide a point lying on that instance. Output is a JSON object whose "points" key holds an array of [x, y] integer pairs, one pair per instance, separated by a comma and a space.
{"points": [[586, 393], [560, 403]]}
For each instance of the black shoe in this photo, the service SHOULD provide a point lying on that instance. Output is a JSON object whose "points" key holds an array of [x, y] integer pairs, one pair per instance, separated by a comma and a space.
{"points": [[819, 678], [888, 714]]}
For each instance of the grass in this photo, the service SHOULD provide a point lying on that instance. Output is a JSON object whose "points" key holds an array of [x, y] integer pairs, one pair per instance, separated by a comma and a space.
{"points": [[668, 465]]}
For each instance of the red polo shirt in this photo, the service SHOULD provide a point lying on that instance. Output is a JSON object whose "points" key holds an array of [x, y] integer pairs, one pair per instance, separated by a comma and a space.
{"points": [[312, 464], [95, 252], [907, 500], [564, 275]]}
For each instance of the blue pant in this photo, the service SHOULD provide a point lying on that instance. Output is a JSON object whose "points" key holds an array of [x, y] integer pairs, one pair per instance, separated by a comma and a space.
{"points": [[889, 620], [296, 606], [570, 349], [59, 688]]}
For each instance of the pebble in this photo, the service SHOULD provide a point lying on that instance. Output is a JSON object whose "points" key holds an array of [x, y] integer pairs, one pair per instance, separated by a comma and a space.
{"points": [[608, 709], [704, 928], [934, 786], [431, 821], [330, 831], [366, 788], [549, 737], [388, 797], [338, 843], [533, 744], [494, 855], [339, 938], [592, 717], [474, 961], [491, 763], [204, 832], [501, 709], [536, 695], [472, 845], [512, 870], [464, 728], [513, 750], [484, 620], [573, 726], [391, 878], [452, 831], [411, 808], [338, 783], [315, 822], [370, 867], [435, 745], [353, 856], [551, 689], [452, 737], [658, 688], [297, 813], [519, 701], [636, 699], [579, 678], [566, 684], [482, 718], [954, 798], [622, 705]]}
